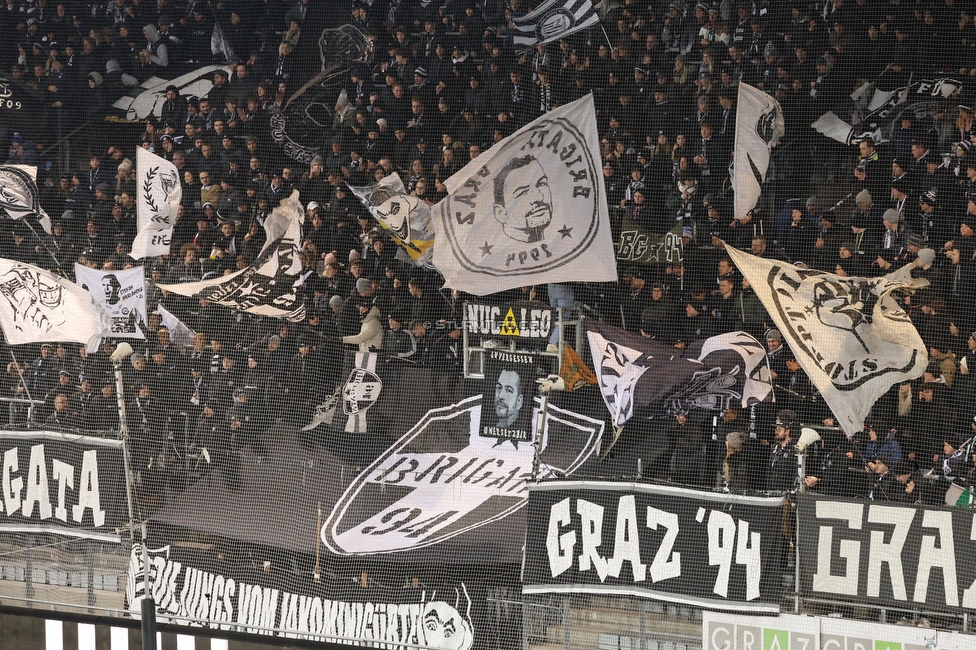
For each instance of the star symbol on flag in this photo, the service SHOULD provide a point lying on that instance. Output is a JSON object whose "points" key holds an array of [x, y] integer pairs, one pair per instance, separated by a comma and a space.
{"points": [[486, 249], [564, 231]]}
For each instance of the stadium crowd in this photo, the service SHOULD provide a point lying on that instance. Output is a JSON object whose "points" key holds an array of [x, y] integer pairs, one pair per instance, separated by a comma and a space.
{"points": [[440, 84]]}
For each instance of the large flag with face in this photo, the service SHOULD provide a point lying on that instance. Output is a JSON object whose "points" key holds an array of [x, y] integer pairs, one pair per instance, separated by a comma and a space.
{"points": [[121, 295], [552, 20], [37, 306], [159, 194], [759, 125], [271, 285], [530, 210], [849, 334], [405, 217], [19, 196], [639, 377]]}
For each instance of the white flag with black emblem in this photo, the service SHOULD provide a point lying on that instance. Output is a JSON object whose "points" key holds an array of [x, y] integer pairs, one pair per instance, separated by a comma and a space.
{"points": [[849, 334], [530, 210], [37, 306], [403, 215], [159, 194], [121, 295], [272, 284], [759, 125], [19, 196], [552, 20]]}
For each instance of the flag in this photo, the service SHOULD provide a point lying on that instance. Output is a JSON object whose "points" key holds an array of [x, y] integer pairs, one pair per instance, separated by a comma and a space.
{"points": [[552, 20], [405, 217], [159, 195], [19, 196], [876, 112], [849, 334], [121, 295], [530, 210], [269, 286], [637, 245], [37, 306], [574, 371], [759, 125], [179, 333], [640, 377]]}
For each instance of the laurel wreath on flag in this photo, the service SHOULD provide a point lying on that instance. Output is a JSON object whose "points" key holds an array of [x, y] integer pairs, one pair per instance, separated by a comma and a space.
{"points": [[147, 189]]}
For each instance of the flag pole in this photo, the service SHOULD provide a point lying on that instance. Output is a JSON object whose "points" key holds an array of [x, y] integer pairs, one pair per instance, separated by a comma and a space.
{"points": [[606, 36]]}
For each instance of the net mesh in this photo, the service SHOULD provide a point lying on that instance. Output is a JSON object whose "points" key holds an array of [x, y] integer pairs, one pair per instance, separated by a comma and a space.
{"points": [[347, 455]]}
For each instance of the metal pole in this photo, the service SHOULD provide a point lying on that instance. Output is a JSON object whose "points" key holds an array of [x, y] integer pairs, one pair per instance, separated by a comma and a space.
{"points": [[148, 605]]}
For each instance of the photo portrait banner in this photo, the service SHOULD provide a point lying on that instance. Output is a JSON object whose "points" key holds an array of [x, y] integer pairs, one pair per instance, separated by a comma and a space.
{"points": [[704, 549], [121, 295]]}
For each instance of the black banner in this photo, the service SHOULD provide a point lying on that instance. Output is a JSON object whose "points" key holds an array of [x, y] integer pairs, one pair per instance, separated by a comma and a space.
{"points": [[530, 323], [62, 483], [190, 587], [887, 554], [704, 549]]}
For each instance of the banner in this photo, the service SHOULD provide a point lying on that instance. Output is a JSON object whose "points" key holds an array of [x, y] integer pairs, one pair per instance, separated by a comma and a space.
{"points": [[849, 334], [639, 246], [529, 323], [530, 210], [316, 610], [159, 194], [641, 377], [886, 554], [703, 549], [63, 484], [877, 112], [553, 20], [759, 125], [121, 295], [19, 196], [405, 217], [272, 284], [37, 306]]}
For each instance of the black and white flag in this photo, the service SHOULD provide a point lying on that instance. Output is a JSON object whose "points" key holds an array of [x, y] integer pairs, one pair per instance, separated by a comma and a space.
{"points": [[876, 111], [552, 20], [759, 125], [271, 285], [159, 194], [37, 306], [403, 215], [849, 334], [121, 295], [19, 196], [530, 210], [640, 377]]}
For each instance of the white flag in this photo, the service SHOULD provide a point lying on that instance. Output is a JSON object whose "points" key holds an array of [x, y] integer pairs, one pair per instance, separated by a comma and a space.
{"points": [[159, 191], [181, 335], [849, 334], [271, 285], [552, 20], [759, 125], [532, 209], [19, 196], [37, 306], [403, 215], [121, 295]]}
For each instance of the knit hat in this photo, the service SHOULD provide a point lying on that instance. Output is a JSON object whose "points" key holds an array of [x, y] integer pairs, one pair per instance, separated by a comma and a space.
{"points": [[335, 301], [813, 200], [363, 285], [927, 255], [775, 335], [735, 439], [891, 215], [863, 197], [916, 240]]}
